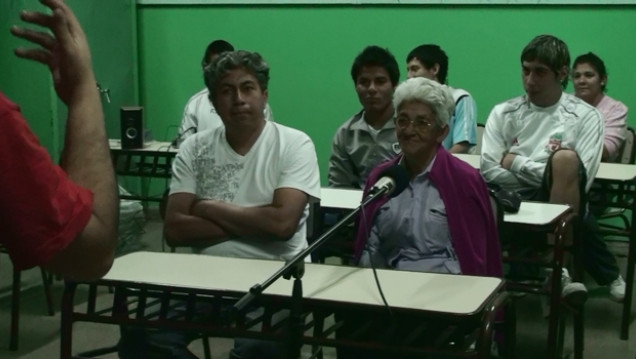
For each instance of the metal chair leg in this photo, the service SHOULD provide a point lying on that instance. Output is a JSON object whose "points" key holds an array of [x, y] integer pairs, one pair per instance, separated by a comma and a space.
{"points": [[46, 282], [206, 347], [15, 310]]}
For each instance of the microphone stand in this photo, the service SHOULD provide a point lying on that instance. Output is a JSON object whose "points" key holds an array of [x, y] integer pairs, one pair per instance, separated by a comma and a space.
{"points": [[295, 267]]}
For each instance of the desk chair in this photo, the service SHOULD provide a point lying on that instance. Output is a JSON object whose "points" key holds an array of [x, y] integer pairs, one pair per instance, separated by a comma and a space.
{"points": [[15, 301], [628, 153], [340, 245], [508, 326], [162, 212], [621, 197], [480, 134], [556, 324]]}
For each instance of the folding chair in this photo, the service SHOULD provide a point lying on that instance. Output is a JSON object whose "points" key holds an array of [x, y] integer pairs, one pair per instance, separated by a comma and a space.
{"points": [[610, 229], [480, 134], [15, 301]]}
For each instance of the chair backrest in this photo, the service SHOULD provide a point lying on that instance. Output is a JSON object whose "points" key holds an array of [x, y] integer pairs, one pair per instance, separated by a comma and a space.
{"points": [[498, 212], [628, 150], [480, 133]]}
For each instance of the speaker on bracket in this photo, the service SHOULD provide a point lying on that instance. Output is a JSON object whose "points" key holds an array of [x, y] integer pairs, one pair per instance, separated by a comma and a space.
{"points": [[132, 127]]}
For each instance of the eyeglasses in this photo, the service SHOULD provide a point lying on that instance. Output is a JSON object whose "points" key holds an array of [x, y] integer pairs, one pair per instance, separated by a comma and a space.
{"points": [[418, 124]]}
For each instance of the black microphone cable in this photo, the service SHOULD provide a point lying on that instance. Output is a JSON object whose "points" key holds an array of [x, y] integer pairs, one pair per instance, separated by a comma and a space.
{"points": [[401, 181], [363, 221], [175, 142]]}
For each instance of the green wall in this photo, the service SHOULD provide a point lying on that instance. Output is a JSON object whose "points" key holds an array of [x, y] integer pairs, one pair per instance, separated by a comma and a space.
{"points": [[25, 82], [110, 29], [310, 50]]}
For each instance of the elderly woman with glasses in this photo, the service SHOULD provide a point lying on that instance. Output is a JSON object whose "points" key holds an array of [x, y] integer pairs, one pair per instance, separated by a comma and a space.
{"points": [[443, 221]]}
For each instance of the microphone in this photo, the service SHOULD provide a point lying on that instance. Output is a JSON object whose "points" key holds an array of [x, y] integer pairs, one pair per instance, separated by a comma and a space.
{"points": [[392, 182]]}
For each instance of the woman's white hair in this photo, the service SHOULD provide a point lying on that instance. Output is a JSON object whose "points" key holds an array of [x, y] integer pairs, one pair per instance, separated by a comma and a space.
{"points": [[429, 92]]}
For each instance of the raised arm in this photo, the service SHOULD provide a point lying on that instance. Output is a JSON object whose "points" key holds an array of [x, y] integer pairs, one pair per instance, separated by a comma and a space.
{"points": [[85, 157]]}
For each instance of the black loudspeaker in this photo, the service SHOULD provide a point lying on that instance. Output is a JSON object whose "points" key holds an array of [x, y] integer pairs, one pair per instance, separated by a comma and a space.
{"points": [[132, 127]]}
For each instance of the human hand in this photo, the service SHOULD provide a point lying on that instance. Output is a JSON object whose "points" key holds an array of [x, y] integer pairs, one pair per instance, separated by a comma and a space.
{"points": [[506, 161], [66, 52]]}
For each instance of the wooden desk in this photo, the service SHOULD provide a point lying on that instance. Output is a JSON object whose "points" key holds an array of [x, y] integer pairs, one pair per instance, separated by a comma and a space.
{"points": [[340, 198], [616, 172], [452, 301], [530, 213], [152, 161], [623, 176], [537, 213], [620, 180], [534, 216]]}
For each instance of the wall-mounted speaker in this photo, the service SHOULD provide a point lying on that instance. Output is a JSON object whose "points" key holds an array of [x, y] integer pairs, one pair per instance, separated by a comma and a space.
{"points": [[132, 127]]}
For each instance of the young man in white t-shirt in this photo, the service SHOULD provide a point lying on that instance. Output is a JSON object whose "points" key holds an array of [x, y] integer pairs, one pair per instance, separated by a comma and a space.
{"points": [[243, 189], [545, 145]]}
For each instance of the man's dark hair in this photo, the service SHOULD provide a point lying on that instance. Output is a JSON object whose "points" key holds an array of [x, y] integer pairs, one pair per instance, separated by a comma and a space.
{"points": [[216, 47], [429, 55], [593, 60], [550, 51], [376, 56], [227, 61]]}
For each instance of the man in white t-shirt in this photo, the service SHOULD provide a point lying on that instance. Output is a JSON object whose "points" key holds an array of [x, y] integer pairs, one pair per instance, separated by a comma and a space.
{"points": [[242, 189], [547, 144], [199, 114]]}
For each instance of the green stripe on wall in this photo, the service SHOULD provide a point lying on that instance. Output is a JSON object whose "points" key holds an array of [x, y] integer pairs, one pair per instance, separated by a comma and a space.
{"points": [[310, 51]]}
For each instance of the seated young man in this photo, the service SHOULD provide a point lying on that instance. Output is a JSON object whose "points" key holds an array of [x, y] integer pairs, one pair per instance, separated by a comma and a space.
{"points": [[239, 190], [430, 61], [545, 145], [367, 138]]}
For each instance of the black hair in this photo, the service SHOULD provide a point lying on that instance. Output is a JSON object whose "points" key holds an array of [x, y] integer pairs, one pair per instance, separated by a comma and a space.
{"points": [[594, 61], [216, 47], [376, 56], [551, 51], [429, 55]]}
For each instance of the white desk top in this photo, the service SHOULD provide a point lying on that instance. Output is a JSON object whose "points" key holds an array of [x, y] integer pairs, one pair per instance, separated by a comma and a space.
{"points": [[532, 213], [607, 171], [340, 198], [616, 172], [472, 160], [152, 146], [536, 213], [444, 293]]}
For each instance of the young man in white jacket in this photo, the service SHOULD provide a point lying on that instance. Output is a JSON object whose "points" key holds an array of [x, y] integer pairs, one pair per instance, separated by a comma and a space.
{"points": [[545, 145]]}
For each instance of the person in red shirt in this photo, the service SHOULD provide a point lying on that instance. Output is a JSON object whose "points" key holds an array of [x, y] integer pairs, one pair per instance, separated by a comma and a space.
{"points": [[63, 218]]}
